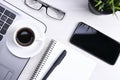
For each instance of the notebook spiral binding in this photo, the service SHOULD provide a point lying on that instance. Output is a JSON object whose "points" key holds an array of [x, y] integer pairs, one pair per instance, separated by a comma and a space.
{"points": [[43, 60]]}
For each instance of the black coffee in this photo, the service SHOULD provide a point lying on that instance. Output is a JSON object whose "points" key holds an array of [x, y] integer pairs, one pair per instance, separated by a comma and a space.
{"points": [[25, 37]]}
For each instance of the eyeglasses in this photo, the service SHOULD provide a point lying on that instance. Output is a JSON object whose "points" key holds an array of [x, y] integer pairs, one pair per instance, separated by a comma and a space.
{"points": [[50, 11]]}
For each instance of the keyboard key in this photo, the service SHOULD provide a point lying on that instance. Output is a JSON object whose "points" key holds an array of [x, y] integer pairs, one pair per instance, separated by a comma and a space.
{"points": [[0, 14], [1, 23], [9, 21], [4, 18], [4, 28], [1, 37], [2, 9], [9, 14]]}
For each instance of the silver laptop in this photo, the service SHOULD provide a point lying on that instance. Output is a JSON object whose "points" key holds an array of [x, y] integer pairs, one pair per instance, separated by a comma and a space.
{"points": [[11, 66]]}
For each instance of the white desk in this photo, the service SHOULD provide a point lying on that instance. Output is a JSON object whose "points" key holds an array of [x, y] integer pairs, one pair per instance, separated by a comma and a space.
{"points": [[77, 11]]}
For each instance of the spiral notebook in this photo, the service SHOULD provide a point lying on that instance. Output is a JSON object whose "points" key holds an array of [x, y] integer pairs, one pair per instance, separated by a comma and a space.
{"points": [[73, 66]]}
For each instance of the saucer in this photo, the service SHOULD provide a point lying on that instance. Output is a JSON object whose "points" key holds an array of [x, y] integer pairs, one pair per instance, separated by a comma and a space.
{"points": [[25, 51]]}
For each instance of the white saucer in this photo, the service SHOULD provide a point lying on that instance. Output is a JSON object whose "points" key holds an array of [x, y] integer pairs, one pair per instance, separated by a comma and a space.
{"points": [[25, 51]]}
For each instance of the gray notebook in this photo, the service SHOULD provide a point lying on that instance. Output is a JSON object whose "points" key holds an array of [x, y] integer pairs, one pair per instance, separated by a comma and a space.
{"points": [[11, 66]]}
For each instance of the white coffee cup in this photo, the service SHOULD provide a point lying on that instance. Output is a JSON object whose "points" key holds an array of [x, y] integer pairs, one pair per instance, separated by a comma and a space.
{"points": [[25, 39]]}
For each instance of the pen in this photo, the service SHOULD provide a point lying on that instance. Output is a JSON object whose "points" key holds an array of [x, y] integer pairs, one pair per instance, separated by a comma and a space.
{"points": [[57, 62]]}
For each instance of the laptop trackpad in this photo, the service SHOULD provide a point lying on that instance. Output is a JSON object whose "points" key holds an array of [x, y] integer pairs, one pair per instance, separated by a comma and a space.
{"points": [[5, 73]]}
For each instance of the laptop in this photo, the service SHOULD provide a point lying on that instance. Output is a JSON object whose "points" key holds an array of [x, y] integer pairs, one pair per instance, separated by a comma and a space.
{"points": [[11, 66]]}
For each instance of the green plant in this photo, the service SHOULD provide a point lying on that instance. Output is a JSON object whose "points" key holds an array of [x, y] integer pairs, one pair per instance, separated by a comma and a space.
{"points": [[107, 5]]}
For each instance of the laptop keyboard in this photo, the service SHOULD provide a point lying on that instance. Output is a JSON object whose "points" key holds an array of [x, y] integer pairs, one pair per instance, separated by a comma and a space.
{"points": [[6, 19]]}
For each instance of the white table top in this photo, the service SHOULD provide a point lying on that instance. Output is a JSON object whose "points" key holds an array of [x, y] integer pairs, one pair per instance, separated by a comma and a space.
{"points": [[77, 11]]}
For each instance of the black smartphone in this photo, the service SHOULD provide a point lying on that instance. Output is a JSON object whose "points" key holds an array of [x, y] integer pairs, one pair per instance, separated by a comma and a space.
{"points": [[96, 43]]}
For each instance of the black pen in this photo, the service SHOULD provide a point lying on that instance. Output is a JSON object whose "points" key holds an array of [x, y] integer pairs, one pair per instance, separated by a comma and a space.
{"points": [[57, 62]]}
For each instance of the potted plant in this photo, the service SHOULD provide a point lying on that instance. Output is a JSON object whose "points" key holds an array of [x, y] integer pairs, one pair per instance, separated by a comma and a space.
{"points": [[104, 6]]}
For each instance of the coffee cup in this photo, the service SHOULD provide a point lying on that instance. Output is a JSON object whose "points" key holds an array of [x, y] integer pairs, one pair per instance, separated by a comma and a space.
{"points": [[25, 39]]}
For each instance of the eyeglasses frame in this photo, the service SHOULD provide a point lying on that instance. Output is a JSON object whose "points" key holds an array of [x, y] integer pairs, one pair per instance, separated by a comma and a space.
{"points": [[46, 7]]}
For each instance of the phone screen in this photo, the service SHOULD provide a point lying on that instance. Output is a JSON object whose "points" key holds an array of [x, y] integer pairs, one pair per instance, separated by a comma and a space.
{"points": [[96, 43]]}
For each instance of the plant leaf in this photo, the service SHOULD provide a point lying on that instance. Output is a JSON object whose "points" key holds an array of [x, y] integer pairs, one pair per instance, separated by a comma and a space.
{"points": [[98, 3]]}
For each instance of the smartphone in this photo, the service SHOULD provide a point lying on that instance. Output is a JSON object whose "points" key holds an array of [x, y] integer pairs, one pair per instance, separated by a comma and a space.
{"points": [[96, 43]]}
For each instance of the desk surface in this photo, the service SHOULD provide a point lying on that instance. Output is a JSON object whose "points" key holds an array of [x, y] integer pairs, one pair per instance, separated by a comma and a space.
{"points": [[77, 11]]}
